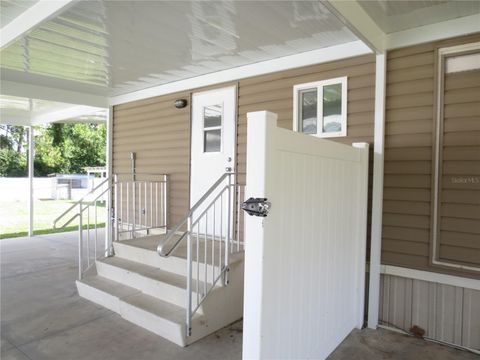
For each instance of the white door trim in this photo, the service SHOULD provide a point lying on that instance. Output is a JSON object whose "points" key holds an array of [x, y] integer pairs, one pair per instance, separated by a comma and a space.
{"points": [[235, 129]]}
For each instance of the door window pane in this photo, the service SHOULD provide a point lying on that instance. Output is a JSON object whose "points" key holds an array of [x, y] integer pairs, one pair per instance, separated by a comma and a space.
{"points": [[212, 140], [332, 108], [308, 111], [212, 116]]}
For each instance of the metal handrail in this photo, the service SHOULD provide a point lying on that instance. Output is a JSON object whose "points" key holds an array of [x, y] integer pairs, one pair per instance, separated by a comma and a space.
{"points": [[173, 232], [77, 203]]}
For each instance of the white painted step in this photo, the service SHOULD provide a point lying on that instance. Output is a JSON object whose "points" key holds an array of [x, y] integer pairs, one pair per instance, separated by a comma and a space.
{"points": [[150, 280], [143, 250], [160, 317]]}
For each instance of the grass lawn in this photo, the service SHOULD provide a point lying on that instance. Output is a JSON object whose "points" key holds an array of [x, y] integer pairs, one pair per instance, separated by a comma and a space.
{"points": [[14, 217]]}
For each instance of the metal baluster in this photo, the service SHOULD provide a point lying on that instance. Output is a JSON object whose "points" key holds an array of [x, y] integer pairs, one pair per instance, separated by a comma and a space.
{"points": [[221, 233], [238, 217], [213, 243], [128, 205], [151, 204], [116, 209], [229, 208], [156, 204], [120, 205], [139, 205], [88, 236], [165, 201], [144, 211], [205, 258], [189, 275], [80, 240], [96, 232], [134, 206], [198, 265]]}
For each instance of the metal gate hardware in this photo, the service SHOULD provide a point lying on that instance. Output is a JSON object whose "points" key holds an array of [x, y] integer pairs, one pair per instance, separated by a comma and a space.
{"points": [[256, 206]]}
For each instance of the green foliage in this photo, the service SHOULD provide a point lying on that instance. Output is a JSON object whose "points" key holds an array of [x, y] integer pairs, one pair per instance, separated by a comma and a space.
{"points": [[68, 148], [12, 163], [59, 148]]}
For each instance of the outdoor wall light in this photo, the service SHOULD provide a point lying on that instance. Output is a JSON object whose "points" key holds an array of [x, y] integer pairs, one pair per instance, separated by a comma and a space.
{"points": [[180, 103]]}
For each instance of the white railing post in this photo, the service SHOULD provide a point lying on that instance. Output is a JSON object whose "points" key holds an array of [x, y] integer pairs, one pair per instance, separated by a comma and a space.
{"points": [[80, 240], [189, 276], [165, 202], [229, 228], [116, 210]]}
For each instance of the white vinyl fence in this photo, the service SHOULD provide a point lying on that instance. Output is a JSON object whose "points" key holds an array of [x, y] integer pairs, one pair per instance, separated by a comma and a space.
{"points": [[305, 261]]}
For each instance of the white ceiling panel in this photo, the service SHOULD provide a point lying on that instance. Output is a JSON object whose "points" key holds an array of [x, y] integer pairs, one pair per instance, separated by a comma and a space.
{"points": [[10, 9], [397, 15], [116, 47]]}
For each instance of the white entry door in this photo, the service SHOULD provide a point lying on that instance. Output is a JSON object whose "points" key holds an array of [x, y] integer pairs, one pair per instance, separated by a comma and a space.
{"points": [[305, 261], [213, 139]]}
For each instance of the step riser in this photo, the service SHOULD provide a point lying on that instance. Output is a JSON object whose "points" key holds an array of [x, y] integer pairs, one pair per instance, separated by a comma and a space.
{"points": [[99, 297], [164, 328], [171, 264], [149, 286], [159, 326]]}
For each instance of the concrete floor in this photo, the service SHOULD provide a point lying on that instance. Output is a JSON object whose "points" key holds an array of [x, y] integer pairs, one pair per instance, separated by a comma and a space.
{"points": [[42, 317]]}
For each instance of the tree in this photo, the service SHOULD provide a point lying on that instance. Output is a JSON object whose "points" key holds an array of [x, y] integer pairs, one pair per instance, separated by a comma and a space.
{"points": [[59, 148], [12, 163], [68, 148]]}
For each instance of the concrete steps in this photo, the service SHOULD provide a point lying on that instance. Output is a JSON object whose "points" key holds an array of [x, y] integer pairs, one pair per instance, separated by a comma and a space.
{"points": [[150, 291]]}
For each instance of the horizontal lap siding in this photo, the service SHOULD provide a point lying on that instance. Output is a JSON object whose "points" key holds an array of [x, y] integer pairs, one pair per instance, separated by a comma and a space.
{"points": [[274, 92], [160, 135], [409, 137]]}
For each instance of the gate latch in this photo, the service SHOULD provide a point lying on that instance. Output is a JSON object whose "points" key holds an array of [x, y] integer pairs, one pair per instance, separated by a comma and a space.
{"points": [[256, 206]]}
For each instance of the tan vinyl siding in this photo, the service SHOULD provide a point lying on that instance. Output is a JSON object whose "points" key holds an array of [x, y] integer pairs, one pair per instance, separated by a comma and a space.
{"points": [[409, 138], [160, 134], [274, 92]]}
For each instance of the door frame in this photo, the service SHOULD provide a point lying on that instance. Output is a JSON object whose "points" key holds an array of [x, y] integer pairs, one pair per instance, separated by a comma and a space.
{"points": [[235, 131]]}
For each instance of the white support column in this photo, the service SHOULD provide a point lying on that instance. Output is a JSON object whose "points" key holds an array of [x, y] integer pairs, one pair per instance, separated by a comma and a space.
{"points": [[108, 223], [377, 199], [31, 154], [352, 14]]}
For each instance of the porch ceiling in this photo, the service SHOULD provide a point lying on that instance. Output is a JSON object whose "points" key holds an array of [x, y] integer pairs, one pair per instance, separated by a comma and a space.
{"points": [[397, 15], [112, 48]]}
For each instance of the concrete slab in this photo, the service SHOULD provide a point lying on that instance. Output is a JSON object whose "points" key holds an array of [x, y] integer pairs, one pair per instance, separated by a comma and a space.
{"points": [[5, 345], [42, 317], [14, 354]]}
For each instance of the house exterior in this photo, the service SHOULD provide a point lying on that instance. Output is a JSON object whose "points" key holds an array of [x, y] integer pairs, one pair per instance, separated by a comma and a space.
{"points": [[160, 135], [401, 79]]}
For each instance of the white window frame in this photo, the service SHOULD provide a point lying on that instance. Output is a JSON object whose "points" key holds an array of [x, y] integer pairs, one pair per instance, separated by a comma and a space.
{"points": [[205, 129], [442, 55], [319, 85]]}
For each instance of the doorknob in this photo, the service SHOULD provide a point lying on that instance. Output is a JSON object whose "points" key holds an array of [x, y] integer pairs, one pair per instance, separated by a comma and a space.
{"points": [[228, 169], [229, 159]]}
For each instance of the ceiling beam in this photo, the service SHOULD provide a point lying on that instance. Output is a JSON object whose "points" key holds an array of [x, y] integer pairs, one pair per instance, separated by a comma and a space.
{"points": [[68, 113], [359, 22], [36, 14], [433, 32], [20, 89]]}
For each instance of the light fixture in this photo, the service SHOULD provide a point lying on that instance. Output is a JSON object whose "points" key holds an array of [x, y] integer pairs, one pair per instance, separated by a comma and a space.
{"points": [[180, 103]]}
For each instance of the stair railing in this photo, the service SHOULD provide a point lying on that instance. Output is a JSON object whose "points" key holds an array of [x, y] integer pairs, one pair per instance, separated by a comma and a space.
{"points": [[102, 185], [213, 232], [140, 206], [83, 210]]}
